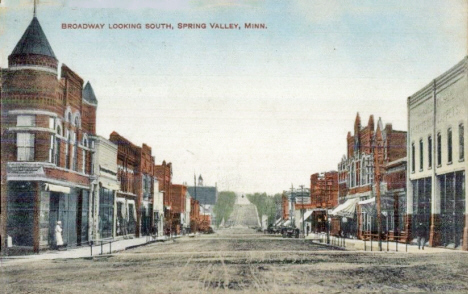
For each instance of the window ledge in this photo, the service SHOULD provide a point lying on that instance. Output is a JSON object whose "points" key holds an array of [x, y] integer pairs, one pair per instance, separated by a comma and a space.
{"points": [[449, 163], [461, 160]]}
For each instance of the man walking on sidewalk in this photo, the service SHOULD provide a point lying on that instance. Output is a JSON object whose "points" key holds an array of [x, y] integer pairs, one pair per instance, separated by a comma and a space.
{"points": [[422, 232]]}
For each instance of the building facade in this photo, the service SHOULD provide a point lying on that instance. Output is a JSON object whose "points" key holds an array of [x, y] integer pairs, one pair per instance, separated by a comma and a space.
{"points": [[437, 118], [361, 175], [324, 197], [104, 186], [164, 175], [46, 157], [128, 163], [178, 200]]}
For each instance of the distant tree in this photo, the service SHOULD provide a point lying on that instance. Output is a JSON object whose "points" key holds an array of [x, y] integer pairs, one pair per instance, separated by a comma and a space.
{"points": [[266, 205], [224, 206]]}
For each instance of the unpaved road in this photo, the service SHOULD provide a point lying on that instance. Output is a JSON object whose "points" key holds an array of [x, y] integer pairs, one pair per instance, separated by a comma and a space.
{"points": [[241, 261]]}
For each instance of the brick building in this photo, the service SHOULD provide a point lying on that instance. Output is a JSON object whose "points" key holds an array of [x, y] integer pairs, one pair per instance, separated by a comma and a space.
{"points": [[284, 207], [46, 156], [324, 197], [194, 215], [178, 200], [136, 171], [164, 175], [366, 148]]}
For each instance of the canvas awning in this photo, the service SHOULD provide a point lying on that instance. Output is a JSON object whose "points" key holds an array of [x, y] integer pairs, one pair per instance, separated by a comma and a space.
{"points": [[307, 214], [368, 205], [346, 209], [57, 188], [278, 221], [287, 223], [111, 185]]}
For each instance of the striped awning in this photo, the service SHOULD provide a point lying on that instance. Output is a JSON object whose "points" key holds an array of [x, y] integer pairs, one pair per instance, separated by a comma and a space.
{"points": [[346, 209]]}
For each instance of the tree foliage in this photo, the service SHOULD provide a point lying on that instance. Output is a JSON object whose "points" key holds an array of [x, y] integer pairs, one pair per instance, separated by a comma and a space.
{"points": [[266, 205], [224, 206]]}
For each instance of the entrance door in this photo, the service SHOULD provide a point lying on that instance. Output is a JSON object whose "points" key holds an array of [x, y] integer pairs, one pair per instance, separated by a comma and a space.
{"points": [[452, 197]]}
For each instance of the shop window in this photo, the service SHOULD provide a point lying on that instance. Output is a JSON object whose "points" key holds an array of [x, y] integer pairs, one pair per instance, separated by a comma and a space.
{"points": [[25, 121], [439, 149], [429, 151], [461, 144], [25, 146], [106, 212], [449, 145]]}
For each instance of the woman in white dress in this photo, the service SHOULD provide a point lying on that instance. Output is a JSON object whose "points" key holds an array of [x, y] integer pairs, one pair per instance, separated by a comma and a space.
{"points": [[58, 234]]}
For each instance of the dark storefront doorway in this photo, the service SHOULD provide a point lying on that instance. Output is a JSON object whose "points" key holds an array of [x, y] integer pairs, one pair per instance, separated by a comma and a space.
{"points": [[72, 210], [452, 205], [422, 190], [20, 212]]}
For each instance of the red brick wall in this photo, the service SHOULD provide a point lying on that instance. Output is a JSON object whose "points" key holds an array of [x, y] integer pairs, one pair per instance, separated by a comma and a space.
{"points": [[178, 198], [324, 190]]}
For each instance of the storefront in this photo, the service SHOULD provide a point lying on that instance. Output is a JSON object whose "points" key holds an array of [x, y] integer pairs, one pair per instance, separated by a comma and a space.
{"points": [[452, 197], [69, 205], [106, 213]]}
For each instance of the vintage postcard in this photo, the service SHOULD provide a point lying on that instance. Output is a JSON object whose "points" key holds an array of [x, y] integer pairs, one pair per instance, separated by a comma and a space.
{"points": [[195, 146]]}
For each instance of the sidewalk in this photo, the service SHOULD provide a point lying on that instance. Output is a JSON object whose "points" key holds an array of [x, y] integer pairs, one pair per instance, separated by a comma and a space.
{"points": [[85, 251], [360, 245]]}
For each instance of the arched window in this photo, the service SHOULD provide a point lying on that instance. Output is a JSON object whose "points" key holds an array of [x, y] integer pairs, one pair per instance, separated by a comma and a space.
{"points": [[59, 130], [77, 119]]}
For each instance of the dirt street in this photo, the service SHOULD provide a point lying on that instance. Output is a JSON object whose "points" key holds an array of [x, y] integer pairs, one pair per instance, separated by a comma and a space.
{"points": [[241, 261]]}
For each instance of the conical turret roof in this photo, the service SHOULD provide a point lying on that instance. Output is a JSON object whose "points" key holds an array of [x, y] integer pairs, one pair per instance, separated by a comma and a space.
{"points": [[34, 41], [88, 94]]}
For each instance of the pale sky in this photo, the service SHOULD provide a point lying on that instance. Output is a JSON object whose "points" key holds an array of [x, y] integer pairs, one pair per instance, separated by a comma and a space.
{"points": [[251, 110]]}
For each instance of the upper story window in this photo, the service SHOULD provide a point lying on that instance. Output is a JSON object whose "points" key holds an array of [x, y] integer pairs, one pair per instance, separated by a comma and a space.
{"points": [[461, 144], [429, 151], [421, 155], [59, 130], [413, 158], [51, 123], [25, 121], [439, 149], [449, 145], [69, 117], [25, 146]]}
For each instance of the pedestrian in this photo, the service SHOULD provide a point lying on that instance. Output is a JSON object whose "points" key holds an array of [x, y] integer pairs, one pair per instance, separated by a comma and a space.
{"points": [[58, 235], [308, 230], [422, 233]]}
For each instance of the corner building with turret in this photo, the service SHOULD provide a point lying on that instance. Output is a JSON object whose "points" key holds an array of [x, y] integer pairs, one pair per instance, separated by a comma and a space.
{"points": [[47, 121]]}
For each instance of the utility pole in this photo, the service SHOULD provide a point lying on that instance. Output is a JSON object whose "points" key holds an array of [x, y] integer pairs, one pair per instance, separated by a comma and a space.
{"points": [[378, 200], [302, 209]]}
